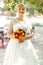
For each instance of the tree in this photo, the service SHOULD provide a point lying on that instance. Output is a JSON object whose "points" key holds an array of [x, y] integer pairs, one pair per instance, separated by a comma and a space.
{"points": [[34, 4], [37, 3]]}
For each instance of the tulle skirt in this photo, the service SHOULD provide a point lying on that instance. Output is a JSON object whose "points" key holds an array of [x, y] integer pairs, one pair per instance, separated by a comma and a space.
{"points": [[20, 53]]}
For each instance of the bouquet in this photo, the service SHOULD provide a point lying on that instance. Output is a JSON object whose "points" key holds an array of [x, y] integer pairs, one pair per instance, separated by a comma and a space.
{"points": [[19, 33]]}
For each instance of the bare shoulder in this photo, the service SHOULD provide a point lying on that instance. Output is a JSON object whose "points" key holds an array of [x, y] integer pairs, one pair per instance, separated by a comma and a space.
{"points": [[13, 21]]}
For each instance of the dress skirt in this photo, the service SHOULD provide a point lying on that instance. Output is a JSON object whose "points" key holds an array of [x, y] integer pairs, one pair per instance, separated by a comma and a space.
{"points": [[20, 53]]}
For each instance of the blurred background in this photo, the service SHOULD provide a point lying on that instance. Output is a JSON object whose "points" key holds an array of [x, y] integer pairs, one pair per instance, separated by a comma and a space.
{"points": [[34, 13]]}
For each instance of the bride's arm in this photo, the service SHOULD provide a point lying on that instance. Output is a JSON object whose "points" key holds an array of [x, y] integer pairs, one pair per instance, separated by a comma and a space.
{"points": [[30, 35], [10, 31]]}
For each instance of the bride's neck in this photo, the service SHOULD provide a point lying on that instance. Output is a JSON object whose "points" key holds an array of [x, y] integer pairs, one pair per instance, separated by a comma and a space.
{"points": [[20, 18]]}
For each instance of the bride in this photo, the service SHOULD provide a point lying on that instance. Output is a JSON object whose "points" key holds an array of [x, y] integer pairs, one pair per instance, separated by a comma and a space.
{"points": [[20, 51]]}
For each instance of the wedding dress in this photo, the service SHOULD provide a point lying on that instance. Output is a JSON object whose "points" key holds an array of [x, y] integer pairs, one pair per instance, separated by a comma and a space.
{"points": [[20, 53]]}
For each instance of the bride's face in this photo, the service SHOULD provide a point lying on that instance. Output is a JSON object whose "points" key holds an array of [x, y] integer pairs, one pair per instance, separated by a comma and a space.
{"points": [[21, 11]]}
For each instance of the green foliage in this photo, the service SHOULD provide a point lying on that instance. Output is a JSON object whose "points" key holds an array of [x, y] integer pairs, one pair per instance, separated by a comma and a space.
{"points": [[6, 1], [9, 4], [37, 3], [7, 7], [34, 4]]}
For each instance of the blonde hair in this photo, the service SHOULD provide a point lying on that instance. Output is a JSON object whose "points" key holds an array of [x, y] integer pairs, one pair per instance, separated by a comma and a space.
{"points": [[20, 5]]}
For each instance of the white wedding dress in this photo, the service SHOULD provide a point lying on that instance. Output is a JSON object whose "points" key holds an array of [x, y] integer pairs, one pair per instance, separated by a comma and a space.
{"points": [[20, 53]]}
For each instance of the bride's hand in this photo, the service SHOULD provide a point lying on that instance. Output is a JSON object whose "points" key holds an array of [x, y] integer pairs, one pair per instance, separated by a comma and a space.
{"points": [[21, 39]]}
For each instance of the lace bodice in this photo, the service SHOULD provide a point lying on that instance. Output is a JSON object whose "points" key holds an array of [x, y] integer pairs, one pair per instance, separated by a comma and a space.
{"points": [[22, 25]]}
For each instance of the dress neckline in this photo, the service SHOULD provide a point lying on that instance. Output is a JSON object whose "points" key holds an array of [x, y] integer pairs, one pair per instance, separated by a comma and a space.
{"points": [[19, 20]]}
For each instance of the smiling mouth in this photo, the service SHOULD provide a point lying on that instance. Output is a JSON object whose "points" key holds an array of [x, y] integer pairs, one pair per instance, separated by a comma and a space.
{"points": [[21, 12]]}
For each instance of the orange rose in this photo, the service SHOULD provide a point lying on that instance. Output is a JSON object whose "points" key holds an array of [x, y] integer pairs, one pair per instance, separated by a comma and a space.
{"points": [[19, 33]]}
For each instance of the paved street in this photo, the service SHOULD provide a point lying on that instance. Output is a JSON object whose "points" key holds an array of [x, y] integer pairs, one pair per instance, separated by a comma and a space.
{"points": [[39, 50]]}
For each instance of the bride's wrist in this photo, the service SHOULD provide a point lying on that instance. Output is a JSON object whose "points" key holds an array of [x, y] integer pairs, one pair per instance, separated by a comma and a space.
{"points": [[13, 36], [27, 37]]}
